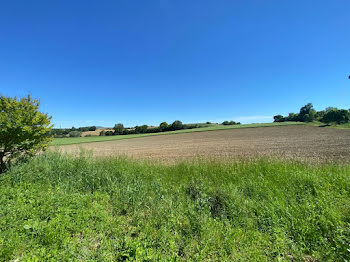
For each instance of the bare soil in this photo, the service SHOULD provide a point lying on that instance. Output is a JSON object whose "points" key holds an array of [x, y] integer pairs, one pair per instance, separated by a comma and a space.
{"points": [[284, 142]]}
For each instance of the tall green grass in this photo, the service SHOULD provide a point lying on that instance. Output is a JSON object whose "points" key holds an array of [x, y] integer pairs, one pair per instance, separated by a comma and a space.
{"points": [[90, 139], [55, 207]]}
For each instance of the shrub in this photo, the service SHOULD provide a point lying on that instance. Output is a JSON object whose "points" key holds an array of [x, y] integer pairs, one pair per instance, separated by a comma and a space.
{"points": [[177, 125], [226, 123], [336, 116], [92, 128], [24, 130], [278, 118], [109, 133], [141, 129], [191, 126], [74, 134], [163, 127]]}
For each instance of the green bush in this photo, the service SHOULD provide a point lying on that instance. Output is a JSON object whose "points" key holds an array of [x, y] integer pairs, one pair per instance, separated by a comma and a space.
{"points": [[163, 127], [278, 118], [227, 123], [74, 134], [24, 130], [176, 125], [341, 116]]}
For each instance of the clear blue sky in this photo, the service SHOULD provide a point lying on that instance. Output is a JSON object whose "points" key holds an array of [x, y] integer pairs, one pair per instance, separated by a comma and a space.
{"points": [[143, 62]]}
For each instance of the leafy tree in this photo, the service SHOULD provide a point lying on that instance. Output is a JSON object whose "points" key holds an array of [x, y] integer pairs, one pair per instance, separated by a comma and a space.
{"points": [[337, 116], [24, 130], [279, 118], [307, 113], [226, 123], [292, 117], [109, 133], [176, 125], [141, 129], [319, 115], [92, 128], [163, 127], [118, 129]]}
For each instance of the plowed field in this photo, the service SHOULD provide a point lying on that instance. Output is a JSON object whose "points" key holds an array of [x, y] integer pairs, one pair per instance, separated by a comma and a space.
{"points": [[285, 142]]}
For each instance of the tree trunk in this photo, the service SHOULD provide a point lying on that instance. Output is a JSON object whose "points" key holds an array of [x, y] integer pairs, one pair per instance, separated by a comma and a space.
{"points": [[2, 164]]}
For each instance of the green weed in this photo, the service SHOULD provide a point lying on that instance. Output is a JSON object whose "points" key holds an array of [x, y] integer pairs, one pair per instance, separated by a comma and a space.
{"points": [[55, 207]]}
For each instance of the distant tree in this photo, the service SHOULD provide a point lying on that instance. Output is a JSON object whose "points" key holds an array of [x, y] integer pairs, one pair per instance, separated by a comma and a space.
{"points": [[141, 129], [24, 130], [92, 128], [163, 127], [109, 133], [319, 115], [330, 108], [118, 129], [82, 129], [226, 123], [103, 133], [74, 134], [176, 125], [307, 113], [278, 118], [339, 116]]}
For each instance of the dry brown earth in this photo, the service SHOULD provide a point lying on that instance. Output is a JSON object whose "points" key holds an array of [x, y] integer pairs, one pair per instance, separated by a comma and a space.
{"points": [[291, 142]]}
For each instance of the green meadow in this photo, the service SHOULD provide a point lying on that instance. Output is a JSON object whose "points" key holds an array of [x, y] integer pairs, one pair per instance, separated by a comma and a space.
{"points": [[57, 208]]}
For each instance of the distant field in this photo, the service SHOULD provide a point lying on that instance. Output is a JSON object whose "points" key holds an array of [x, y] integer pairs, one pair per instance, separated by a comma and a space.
{"points": [[301, 142], [79, 140]]}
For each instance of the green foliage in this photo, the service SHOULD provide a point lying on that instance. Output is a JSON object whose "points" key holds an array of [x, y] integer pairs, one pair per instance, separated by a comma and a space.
{"points": [[176, 125], [118, 129], [55, 207], [227, 123], [74, 134], [141, 129], [341, 116], [279, 118], [92, 128], [24, 130], [163, 127], [308, 114], [109, 133]]}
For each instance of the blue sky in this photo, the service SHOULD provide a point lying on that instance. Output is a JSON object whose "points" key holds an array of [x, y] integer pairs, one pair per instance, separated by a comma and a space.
{"points": [[144, 62]]}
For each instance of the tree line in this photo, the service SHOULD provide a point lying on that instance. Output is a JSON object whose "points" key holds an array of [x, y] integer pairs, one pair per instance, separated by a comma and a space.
{"points": [[119, 128], [307, 113], [71, 132]]}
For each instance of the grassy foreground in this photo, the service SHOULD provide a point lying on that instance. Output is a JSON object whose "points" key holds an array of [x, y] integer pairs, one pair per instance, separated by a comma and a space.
{"points": [[55, 207], [79, 140]]}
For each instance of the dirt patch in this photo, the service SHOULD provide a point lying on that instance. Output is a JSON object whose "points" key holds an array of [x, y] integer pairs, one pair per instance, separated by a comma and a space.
{"points": [[291, 142]]}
